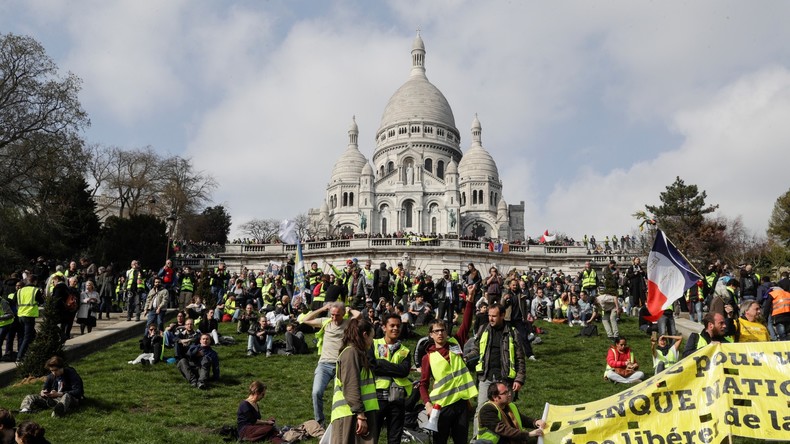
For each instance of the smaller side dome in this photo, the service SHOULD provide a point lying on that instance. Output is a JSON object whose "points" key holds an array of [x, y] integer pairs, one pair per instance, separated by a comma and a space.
{"points": [[418, 43], [452, 167], [502, 205], [367, 170]]}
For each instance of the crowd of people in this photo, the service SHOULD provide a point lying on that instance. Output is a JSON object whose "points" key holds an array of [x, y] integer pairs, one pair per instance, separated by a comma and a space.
{"points": [[361, 314]]}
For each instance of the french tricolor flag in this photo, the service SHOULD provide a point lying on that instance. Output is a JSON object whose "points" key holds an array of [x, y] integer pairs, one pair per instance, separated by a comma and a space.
{"points": [[669, 275]]}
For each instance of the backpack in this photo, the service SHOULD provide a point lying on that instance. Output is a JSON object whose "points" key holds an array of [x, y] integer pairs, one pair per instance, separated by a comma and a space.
{"points": [[71, 302], [589, 330], [309, 428]]}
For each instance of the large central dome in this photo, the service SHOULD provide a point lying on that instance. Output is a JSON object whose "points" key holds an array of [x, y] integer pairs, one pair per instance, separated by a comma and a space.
{"points": [[417, 99]]}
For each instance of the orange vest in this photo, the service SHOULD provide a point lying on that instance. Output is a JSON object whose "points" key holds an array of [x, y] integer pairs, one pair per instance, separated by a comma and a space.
{"points": [[781, 301]]}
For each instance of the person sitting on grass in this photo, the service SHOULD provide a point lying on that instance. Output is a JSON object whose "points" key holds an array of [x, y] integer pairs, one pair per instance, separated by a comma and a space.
{"points": [[62, 390], [30, 432], [501, 421], [295, 343], [664, 353], [185, 338], [170, 331], [199, 361], [261, 337], [210, 326], [621, 367], [150, 347], [246, 318], [251, 427]]}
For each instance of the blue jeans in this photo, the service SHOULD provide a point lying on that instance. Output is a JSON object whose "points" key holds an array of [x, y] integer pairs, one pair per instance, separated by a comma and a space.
{"points": [[666, 325], [324, 374], [254, 344], [153, 317], [698, 312], [28, 332], [781, 332]]}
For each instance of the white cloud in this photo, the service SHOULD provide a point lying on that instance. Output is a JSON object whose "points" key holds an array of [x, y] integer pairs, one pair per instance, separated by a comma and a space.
{"points": [[734, 148]]}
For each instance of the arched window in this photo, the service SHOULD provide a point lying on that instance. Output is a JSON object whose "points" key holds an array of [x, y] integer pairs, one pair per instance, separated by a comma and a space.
{"points": [[383, 225], [381, 171], [491, 197], [351, 199], [408, 209], [440, 169], [345, 199], [474, 197], [433, 225], [480, 198], [429, 165], [463, 198], [390, 166]]}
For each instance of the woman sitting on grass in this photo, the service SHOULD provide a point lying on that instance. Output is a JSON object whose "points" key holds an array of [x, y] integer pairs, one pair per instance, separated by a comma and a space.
{"points": [[621, 367], [248, 418]]}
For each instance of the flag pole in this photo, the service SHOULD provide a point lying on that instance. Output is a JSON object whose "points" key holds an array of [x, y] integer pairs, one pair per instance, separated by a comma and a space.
{"points": [[684, 256]]}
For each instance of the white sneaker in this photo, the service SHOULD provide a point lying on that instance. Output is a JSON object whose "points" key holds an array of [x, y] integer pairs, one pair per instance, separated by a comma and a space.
{"points": [[532, 358], [24, 410]]}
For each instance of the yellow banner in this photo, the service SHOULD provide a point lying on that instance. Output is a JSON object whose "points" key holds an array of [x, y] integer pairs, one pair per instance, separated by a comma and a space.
{"points": [[739, 389]]}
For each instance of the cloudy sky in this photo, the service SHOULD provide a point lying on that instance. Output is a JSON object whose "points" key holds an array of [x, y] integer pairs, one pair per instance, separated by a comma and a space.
{"points": [[590, 108]]}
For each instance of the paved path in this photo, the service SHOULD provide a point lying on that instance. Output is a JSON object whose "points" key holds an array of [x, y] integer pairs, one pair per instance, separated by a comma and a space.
{"points": [[106, 333]]}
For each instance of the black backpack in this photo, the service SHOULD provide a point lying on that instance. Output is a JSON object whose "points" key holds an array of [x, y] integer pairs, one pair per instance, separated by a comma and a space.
{"points": [[589, 330]]}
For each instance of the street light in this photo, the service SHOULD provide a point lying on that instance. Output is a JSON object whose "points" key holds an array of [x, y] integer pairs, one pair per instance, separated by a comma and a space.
{"points": [[171, 225]]}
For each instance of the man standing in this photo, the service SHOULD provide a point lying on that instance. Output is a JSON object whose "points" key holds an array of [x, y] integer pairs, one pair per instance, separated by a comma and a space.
{"points": [[381, 283], [749, 283], [28, 299], [168, 276], [778, 304], [62, 390], [330, 343], [199, 361], [714, 331], [392, 362], [453, 385], [135, 284], [500, 420], [156, 305], [501, 356], [589, 279], [186, 285], [637, 285], [445, 296]]}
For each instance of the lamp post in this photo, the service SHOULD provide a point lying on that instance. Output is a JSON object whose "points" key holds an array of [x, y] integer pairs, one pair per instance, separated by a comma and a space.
{"points": [[171, 225]]}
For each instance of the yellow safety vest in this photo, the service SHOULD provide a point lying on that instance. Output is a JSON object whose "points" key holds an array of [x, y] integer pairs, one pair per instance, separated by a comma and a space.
{"points": [[452, 381], [130, 279], [319, 335], [511, 373], [187, 284], [27, 306], [670, 358], [230, 306], [10, 320], [630, 359], [367, 388], [489, 435], [588, 279], [383, 382]]}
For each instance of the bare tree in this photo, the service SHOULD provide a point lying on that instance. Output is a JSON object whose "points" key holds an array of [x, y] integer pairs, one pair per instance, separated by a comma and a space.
{"points": [[306, 227], [260, 229], [183, 189]]}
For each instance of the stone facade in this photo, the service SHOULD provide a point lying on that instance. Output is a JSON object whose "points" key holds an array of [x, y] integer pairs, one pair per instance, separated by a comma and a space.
{"points": [[418, 179]]}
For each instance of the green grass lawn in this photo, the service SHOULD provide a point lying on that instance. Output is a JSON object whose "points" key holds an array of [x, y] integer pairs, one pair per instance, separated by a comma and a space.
{"points": [[150, 404]]}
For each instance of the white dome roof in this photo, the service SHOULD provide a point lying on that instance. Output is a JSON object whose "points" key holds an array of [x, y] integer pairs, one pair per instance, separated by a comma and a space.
{"points": [[452, 167], [349, 165], [417, 99], [367, 170], [477, 163]]}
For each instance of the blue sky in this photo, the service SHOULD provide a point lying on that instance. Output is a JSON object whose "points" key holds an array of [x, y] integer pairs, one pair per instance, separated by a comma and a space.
{"points": [[589, 108]]}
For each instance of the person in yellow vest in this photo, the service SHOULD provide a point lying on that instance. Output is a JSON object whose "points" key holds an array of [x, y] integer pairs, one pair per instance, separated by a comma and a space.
{"points": [[713, 333], [589, 280], [354, 404], [664, 353], [501, 356], [748, 327], [778, 305], [330, 344], [27, 301], [186, 285], [453, 384], [500, 420], [392, 363], [135, 285]]}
